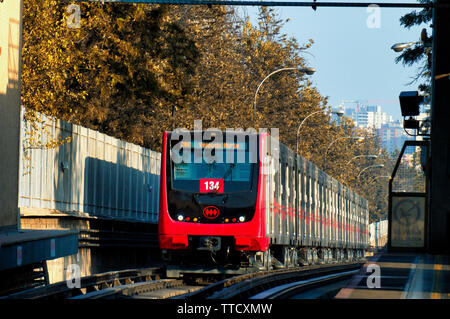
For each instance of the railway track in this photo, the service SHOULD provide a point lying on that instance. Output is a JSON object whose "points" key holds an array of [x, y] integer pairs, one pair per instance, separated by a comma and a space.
{"points": [[150, 283], [90, 284], [280, 282]]}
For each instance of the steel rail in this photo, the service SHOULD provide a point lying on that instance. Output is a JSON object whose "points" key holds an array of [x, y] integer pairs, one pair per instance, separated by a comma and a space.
{"points": [[290, 289], [245, 286], [89, 284], [130, 290]]}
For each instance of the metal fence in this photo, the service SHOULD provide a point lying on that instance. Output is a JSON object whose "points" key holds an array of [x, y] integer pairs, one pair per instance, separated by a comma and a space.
{"points": [[94, 174], [410, 176]]}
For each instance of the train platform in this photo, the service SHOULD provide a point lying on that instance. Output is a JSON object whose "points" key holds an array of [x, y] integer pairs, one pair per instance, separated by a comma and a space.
{"points": [[24, 247], [394, 275]]}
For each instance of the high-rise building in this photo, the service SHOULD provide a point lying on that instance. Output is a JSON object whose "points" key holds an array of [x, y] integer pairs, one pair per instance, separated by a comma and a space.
{"points": [[368, 116], [390, 133]]}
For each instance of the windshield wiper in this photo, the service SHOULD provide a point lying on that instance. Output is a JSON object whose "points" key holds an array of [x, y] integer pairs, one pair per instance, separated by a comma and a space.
{"points": [[228, 172]]}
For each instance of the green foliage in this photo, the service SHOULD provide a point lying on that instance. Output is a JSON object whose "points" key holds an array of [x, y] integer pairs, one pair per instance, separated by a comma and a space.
{"points": [[419, 54]]}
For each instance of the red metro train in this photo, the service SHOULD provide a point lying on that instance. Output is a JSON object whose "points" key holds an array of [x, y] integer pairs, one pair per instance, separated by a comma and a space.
{"points": [[234, 202]]}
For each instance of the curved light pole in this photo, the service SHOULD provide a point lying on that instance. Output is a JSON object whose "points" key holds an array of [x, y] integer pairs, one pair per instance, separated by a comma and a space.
{"points": [[369, 156], [379, 165], [339, 138], [308, 71], [381, 176], [398, 47], [338, 113]]}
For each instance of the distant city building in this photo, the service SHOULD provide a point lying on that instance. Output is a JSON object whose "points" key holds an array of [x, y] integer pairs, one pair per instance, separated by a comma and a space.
{"points": [[368, 116], [390, 133]]}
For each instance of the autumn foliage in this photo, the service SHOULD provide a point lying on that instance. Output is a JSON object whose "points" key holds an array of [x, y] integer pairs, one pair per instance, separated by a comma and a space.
{"points": [[135, 70]]}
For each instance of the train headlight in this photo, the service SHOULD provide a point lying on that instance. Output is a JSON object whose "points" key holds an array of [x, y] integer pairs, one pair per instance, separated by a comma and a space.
{"points": [[180, 217], [242, 219]]}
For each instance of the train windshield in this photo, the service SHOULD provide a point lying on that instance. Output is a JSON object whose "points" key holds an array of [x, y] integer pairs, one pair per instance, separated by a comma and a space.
{"points": [[217, 167]]}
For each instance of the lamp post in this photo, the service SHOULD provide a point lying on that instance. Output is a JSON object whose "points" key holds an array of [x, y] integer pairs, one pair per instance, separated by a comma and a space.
{"points": [[381, 176], [339, 138], [379, 166], [398, 47], [338, 113], [308, 71], [368, 156]]}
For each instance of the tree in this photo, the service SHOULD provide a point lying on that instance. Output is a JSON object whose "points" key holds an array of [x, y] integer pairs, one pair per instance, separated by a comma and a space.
{"points": [[133, 71], [116, 74], [420, 53]]}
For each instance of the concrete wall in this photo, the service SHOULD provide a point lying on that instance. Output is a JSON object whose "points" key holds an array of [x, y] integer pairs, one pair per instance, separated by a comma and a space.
{"points": [[112, 245], [103, 187], [10, 68]]}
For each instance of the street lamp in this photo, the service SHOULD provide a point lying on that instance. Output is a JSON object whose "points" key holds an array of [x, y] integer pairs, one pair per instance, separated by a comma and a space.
{"points": [[398, 47], [368, 156], [308, 71], [381, 176], [379, 166], [338, 113], [359, 138]]}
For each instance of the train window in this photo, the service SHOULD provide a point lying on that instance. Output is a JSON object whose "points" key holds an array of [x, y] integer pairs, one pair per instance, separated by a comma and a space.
{"points": [[236, 174]]}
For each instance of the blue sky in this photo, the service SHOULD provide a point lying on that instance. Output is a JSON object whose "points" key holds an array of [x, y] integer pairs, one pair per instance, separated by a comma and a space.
{"points": [[353, 61]]}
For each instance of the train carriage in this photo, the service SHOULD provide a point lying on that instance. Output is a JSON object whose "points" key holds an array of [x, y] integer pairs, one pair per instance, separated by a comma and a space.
{"points": [[241, 201]]}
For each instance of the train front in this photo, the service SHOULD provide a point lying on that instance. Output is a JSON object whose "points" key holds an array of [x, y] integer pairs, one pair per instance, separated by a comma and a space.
{"points": [[211, 198]]}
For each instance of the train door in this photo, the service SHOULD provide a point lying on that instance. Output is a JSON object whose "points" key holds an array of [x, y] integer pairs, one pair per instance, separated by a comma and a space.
{"points": [[312, 204], [283, 203], [320, 209], [347, 211], [308, 213], [287, 197], [291, 202], [294, 210], [352, 220], [316, 234], [269, 192], [330, 218], [278, 202], [340, 218], [327, 223], [360, 218], [321, 212], [344, 219], [302, 201], [333, 214]]}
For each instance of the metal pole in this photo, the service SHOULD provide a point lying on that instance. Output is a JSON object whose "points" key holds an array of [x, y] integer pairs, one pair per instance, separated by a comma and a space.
{"points": [[439, 226], [380, 165], [298, 130], [256, 93], [357, 156], [304, 70], [339, 138]]}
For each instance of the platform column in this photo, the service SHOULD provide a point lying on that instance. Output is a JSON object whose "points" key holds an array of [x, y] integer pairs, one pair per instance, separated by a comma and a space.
{"points": [[440, 133]]}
